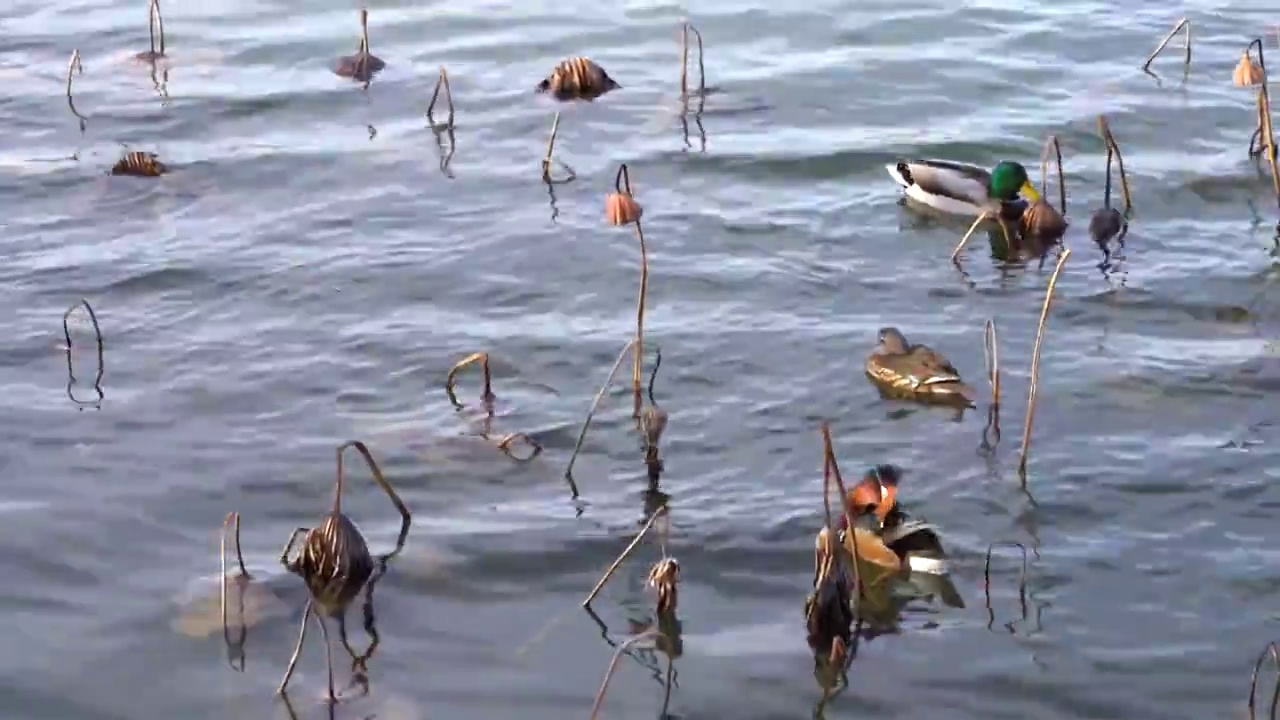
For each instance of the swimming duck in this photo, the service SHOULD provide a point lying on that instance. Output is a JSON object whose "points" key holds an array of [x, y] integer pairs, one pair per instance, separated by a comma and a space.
{"points": [[873, 503], [964, 189], [917, 372]]}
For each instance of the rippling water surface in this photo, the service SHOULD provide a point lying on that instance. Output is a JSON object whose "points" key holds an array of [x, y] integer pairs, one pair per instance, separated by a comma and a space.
{"points": [[307, 274]]}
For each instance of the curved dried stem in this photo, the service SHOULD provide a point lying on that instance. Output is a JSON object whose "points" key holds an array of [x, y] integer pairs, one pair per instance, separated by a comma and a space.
{"points": [[1272, 650], [1183, 24], [991, 351], [443, 81], [586, 423], [684, 62], [1266, 132], [74, 66], [608, 573], [986, 215], [155, 26], [613, 665], [505, 446], [233, 521], [622, 181], [97, 333], [638, 349], [377, 477], [1022, 580], [546, 161], [830, 472], [486, 395], [1113, 148], [1035, 366], [1051, 143]]}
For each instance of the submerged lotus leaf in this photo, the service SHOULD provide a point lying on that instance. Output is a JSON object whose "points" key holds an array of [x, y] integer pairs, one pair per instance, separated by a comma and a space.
{"points": [[200, 614]]}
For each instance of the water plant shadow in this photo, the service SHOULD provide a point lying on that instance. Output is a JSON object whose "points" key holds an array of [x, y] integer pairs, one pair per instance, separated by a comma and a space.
{"points": [[71, 376]]}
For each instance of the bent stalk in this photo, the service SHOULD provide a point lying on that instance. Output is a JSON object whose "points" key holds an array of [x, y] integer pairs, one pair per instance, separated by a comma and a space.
{"points": [[1183, 24], [622, 557], [1035, 366], [684, 63], [443, 81], [586, 423], [450, 382], [546, 161]]}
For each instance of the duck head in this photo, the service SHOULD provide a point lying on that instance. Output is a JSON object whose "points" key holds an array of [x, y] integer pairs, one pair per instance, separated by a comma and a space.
{"points": [[1008, 179], [876, 494], [892, 342]]}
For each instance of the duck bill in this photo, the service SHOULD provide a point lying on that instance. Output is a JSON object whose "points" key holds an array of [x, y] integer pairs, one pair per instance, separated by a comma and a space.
{"points": [[1030, 192]]}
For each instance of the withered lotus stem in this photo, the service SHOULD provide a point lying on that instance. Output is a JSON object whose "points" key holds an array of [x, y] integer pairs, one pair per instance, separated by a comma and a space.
{"points": [[621, 209], [1248, 73], [1043, 220]]}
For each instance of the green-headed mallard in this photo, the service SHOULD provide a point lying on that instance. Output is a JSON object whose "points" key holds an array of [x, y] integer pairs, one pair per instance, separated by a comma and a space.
{"points": [[917, 372], [963, 189]]}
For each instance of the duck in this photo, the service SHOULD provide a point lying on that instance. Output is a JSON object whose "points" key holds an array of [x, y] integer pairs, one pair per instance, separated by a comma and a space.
{"points": [[873, 504], [964, 189], [915, 372]]}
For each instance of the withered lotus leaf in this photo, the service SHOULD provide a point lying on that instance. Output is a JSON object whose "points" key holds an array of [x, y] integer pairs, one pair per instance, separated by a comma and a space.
{"points": [[1247, 72], [621, 209]]}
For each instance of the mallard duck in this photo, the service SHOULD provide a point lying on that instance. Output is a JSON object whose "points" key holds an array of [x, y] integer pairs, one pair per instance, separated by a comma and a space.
{"points": [[917, 372], [963, 189], [873, 503]]}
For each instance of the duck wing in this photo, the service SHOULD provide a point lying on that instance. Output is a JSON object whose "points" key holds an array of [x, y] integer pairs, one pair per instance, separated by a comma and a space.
{"points": [[932, 366], [958, 181]]}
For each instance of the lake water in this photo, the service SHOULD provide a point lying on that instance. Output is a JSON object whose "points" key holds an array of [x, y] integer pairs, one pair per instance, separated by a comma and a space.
{"points": [[307, 274]]}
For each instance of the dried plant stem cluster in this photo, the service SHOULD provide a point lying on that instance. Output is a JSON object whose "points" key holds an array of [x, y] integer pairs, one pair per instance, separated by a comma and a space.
{"points": [[336, 566], [664, 579], [505, 443]]}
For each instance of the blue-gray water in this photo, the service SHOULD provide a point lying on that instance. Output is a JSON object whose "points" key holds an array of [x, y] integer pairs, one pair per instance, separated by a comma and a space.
{"points": [[294, 283]]}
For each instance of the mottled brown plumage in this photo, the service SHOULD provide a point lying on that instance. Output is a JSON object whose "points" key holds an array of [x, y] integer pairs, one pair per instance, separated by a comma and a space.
{"points": [[915, 372]]}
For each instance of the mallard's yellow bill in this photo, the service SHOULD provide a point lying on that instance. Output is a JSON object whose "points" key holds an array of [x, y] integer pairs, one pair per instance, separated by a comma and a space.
{"points": [[1030, 191]]}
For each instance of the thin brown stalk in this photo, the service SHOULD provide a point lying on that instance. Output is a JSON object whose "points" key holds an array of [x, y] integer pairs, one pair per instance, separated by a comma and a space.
{"points": [[625, 552], [74, 66], [831, 471], [546, 161], [155, 22], [619, 213], [991, 350], [586, 423], [1114, 148], [442, 82], [232, 520], [505, 446], [366, 52], [684, 63], [451, 381], [637, 350], [613, 665], [1270, 651], [1266, 132], [1051, 143], [1035, 365], [378, 478], [1183, 24], [986, 215]]}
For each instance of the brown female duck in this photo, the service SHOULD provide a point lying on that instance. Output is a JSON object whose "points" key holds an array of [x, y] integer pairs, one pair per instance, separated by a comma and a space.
{"points": [[917, 372]]}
